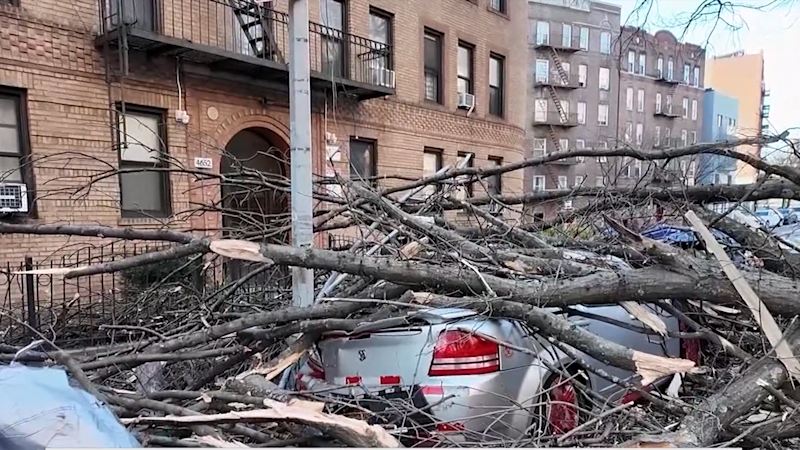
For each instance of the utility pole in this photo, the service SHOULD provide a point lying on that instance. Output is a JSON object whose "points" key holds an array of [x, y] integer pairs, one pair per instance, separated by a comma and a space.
{"points": [[300, 118]]}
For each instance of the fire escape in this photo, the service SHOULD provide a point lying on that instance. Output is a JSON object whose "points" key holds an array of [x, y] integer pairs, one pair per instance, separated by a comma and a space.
{"points": [[668, 110], [557, 80]]}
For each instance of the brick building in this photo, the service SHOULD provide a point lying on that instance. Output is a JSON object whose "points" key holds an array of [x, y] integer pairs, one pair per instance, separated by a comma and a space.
{"points": [[661, 102], [573, 86], [385, 91]]}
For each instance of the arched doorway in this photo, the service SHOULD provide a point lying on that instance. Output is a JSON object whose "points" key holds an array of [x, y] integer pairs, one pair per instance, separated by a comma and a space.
{"points": [[255, 211]]}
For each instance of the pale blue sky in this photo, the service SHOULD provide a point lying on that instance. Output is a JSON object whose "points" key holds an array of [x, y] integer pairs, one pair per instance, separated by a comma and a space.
{"points": [[775, 29]]}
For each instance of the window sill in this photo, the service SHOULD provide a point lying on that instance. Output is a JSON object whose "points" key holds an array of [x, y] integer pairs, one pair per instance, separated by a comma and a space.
{"points": [[502, 14], [141, 221]]}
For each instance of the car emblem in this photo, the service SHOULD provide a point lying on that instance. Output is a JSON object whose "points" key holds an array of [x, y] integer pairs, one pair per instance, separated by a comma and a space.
{"points": [[362, 355]]}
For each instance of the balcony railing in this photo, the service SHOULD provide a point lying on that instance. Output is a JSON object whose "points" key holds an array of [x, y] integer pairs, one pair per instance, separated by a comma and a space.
{"points": [[556, 80], [562, 42], [242, 37], [671, 111], [556, 119], [664, 77]]}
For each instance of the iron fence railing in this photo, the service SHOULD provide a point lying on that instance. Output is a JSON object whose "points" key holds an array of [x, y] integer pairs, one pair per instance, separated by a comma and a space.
{"points": [[243, 27]]}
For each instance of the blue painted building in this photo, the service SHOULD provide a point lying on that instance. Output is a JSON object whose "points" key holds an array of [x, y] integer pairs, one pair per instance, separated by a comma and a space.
{"points": [[720, 120]]}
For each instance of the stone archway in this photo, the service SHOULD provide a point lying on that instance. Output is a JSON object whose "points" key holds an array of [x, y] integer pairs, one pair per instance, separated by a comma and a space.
{"points": [[249, 210]]}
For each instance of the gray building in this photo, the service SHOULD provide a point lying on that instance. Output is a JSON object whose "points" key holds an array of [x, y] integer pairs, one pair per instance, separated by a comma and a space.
{"points": [[661, 103], [573, 82]]}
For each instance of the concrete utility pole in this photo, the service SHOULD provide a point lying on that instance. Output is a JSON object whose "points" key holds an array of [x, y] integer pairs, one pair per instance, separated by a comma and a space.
{"points": [[300, 118]]}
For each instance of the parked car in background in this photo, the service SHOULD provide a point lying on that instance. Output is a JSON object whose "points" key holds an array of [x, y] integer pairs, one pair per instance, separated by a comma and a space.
{"points": [[770, 217], [790, 216], [475, 379]]}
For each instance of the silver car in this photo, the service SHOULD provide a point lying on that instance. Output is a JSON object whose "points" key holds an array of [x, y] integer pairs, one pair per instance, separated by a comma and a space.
{"points": [[449, 365]]}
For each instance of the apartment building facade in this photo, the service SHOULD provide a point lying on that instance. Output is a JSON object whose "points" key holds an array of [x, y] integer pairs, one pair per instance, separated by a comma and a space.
{"points": [[661, 103], [741, 76], [572, 90], [88, 88], [720, 122]]}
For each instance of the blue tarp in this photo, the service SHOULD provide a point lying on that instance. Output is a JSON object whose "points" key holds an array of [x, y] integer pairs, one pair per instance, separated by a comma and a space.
{"points": [[40, 409]]}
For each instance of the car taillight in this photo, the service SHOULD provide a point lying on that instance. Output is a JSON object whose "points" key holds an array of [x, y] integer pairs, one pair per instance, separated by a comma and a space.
{"points": [[461, 353]]}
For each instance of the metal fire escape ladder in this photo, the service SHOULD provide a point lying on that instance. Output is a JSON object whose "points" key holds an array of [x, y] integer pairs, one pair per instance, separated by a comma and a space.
{"points": [[256, 22]]}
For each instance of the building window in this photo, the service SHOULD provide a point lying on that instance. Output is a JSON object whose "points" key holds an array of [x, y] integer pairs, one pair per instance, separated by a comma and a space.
{"points": [[581, 113], [657, 136], [669, 103], [599, 181], [642, 64], [602, 115], [584, 39], [332, 15], [538, 183], [640, 100], [629, 99], [583, 70], [684, 141], [660, 66], [687, 72], [670, 69], [719, 120], [465, 189], [628, 133], [685, 105], [432, 162], [637, 169], [579, 180], [639, 134], [694, 137], [363, 164], [696, 80], [498, 5], [604, 78], [562, 182], [494, 183], [605, 42], [564, 144], [580, 144], [566, 35], [433, 66], [626, 168], [13, 137], [465, 67], [658, 103], [540, 110], [542, 33], [542, 70], [539, 147], [380, 30], [142, 137], [496, 84], [631, 61], [694, 109]]}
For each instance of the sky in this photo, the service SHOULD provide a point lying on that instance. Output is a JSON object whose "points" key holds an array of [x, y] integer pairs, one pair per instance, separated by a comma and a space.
{"points": [[750, 25]]}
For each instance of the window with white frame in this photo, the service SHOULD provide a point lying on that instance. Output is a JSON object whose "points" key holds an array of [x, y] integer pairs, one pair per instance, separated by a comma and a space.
{"points": [[567, 68], [626, 168], [539, 147], [639, 134], [640, 100], [629, 99], [637, 169], [631, 60], [564, 144], [538, 183], [719, 120], [542, 33], [694, 109], [542, 70], [581, 113], [579, 180], [565, 109], [584, 38], [540, 110], [660, 66], [599, 181], [684, 141], [628, 133], [580, 144], [640, 69], [431, 163], [657, 136], [605, 42], [602, 114], [604, 83], [562, 182], [13, 145], [696, 81], [143, 193], [465, 189], [687, 71], [602, 145], [685, 105], [566, 35], [670, 69], [583, 71], [658, 103], [694, 137], [669, 103]]}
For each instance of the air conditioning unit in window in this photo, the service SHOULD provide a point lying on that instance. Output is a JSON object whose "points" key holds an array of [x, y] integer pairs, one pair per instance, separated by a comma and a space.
{"points": [[466, 101], [13, 198], [381, 77]]}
